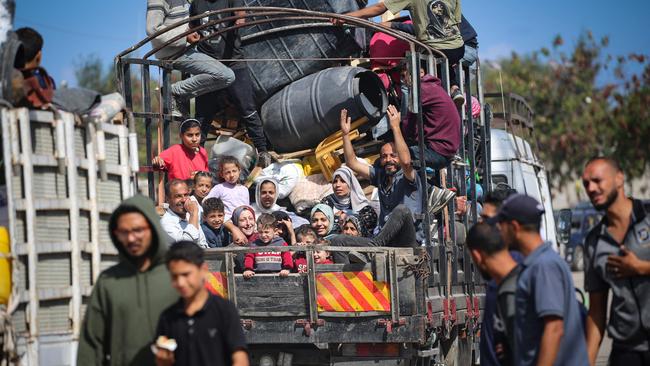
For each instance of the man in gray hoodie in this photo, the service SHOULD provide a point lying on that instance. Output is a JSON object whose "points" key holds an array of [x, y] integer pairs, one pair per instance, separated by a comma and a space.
{"points": [[208, 74]]}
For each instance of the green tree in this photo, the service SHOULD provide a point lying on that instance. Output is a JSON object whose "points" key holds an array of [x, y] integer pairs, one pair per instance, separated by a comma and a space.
{"points": [[576, 115], [91, 73]]}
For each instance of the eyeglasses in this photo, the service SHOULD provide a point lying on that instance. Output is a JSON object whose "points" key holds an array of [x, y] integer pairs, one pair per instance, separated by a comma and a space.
{"points": [[137, 232]]}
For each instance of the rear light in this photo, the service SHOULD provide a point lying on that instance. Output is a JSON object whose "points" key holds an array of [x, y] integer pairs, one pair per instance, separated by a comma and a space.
{"points": [[370, 350]]}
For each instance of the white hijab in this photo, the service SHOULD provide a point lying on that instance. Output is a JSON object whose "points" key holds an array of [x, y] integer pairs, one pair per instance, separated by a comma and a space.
{"points": [[357, 199]]}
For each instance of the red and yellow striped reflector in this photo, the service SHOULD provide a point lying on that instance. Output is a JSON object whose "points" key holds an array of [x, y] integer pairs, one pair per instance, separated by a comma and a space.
{"points": [[217, 284], [351, 292]]}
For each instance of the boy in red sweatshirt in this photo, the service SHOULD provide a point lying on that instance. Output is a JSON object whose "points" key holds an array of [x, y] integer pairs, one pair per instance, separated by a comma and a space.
{"points": [[271, 261]]}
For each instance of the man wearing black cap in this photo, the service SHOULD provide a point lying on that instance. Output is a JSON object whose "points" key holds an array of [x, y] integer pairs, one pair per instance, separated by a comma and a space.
{"points": [[548, 327]]}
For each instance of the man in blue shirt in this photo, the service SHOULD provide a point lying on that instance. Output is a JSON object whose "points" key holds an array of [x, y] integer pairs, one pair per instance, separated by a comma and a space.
{"points": [[548, 326]]}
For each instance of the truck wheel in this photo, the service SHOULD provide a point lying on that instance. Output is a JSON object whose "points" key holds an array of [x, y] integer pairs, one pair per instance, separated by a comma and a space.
{"points": [[578, 263]]}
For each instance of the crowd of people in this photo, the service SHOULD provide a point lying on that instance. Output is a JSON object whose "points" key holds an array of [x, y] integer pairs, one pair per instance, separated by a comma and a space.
{"points": [[531, 312], [532, 315]]}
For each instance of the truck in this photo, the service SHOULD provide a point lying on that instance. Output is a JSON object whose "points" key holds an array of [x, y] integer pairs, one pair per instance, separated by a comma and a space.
{"points": [[403, 306]]}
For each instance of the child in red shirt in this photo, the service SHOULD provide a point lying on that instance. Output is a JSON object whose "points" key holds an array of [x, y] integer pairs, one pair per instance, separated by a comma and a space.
{"points": [[267, 262], [182, 161]]}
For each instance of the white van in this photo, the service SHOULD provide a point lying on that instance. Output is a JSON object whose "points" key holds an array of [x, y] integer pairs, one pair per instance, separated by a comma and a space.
{"points": [[513, 161]]}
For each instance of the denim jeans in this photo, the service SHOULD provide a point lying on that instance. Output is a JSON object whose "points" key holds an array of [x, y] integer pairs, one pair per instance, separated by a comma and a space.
{"points": [[207, 73], [432, 159], [399, 231], [241, 94], [471, 55]]}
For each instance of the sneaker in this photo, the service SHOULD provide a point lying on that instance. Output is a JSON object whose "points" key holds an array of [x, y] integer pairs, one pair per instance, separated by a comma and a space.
{"points": [[439, 198], [458, 97], [264, 159], [180, 107]]}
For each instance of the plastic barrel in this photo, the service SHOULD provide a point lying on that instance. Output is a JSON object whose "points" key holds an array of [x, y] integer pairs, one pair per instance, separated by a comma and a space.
{"points": [[5, 266], [293, 43], [308, 110]]}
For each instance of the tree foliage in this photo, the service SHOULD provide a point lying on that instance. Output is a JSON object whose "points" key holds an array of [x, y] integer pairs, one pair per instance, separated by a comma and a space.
{"points": [[577, 114], [91, 73]]}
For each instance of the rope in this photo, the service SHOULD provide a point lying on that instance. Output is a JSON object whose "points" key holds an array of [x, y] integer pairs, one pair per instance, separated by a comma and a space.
{"points": [[421, 267]]}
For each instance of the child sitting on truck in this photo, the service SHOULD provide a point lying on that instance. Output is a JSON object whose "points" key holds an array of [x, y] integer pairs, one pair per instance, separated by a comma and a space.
{"points": [[215, 233], [305, 235], [230, 190], [184, 160], [322, 256], [267, 262]]}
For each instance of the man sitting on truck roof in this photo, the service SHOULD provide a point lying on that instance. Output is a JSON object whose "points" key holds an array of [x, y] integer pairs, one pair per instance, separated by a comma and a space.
{"points": [[227, 46], [128, 298], [208, 74]]}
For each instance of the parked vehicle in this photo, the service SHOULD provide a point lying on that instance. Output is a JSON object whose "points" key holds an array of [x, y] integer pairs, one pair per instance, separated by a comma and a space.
{"points": [[583, 218], [514, 161]]}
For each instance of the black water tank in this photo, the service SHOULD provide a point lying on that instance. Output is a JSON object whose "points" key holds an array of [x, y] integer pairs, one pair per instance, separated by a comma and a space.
{"points": [[307, 111], [304, 42]]}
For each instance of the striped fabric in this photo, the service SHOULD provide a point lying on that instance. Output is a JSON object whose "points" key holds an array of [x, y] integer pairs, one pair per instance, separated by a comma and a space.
{"points": [[160, 15]]}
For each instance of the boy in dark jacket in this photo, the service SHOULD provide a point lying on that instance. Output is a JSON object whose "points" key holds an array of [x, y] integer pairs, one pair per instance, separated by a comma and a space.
{"points": [[267, 262], [129, 297], [441, 123], [216, 235]]}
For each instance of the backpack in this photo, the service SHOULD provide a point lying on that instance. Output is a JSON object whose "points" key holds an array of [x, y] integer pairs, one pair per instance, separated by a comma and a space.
{"points": [[39, 87]]}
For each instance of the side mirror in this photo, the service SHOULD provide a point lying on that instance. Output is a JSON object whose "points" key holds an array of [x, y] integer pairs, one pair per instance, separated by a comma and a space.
{"points": [[564, 226]]}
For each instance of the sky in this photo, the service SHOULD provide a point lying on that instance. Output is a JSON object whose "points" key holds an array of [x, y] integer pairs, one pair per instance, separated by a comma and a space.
{"points": [[75, 29]]}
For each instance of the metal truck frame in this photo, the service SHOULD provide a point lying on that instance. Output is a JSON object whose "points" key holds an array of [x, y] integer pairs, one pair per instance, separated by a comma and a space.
{"points": [[436, 293]]}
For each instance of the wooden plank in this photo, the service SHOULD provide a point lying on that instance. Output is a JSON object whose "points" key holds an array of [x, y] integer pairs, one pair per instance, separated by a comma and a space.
{"points": [[230, 275], [30, 220], [379, 263], [394, 289], [312, 301], [272, 295]]}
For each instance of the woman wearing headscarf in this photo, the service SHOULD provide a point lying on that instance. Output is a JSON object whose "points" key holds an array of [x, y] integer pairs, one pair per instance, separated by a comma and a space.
{"points": [[348, 197], [266, 197], [322, 220], [351, 226], [244, 218]]}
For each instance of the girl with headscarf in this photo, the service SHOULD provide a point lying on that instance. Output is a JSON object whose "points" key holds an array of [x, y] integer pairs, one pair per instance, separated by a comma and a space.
{"points": [[348, 197], [322, 220]]}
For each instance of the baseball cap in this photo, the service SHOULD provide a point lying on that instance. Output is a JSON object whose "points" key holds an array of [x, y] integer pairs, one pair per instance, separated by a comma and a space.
{"points": [[519, 207]]}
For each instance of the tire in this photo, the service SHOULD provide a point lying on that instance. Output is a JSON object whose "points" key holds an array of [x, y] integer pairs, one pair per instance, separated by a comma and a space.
{"points": [[578, 263]]}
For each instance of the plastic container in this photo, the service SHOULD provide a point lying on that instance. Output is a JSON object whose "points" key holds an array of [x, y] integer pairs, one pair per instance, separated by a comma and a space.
{"points": [[308, 110], [304, 42]]}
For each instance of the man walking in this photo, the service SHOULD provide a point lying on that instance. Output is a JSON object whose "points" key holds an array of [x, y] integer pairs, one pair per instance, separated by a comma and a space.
{"points": [[548, 327], [205, 327], [128, 298], [494, 261], [617, 258]]}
